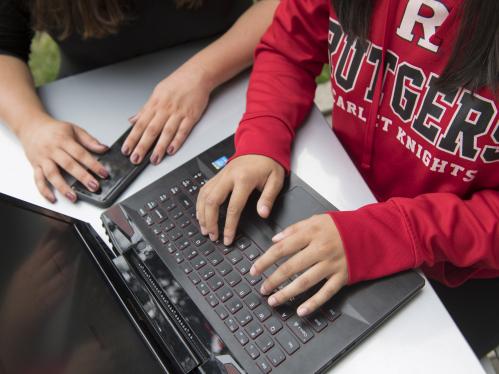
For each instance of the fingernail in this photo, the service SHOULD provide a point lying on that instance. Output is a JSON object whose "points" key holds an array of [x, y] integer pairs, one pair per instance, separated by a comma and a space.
{"points": [[263, 290], [154, 159], [93, 185], [130, 119], [103, 173], [103, 146], [170, 150], [264, 210], [125, 150], [71, 196], [227, 240], [135, 158], [203, 230], [302, 311], [253, 270], [272, 300], [212, 237], [278, 236]]}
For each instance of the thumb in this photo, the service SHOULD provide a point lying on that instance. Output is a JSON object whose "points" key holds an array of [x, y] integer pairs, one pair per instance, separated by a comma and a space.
{"points": [[88, 141], [269, 194]]}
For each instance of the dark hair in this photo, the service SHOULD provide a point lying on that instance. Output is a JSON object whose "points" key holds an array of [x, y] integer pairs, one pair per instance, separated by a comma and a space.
{"points": [[89, 18], [474, 61]]}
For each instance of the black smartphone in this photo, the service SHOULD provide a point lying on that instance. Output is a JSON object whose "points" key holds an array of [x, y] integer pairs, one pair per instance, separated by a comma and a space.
{"points": [[121, 173]]}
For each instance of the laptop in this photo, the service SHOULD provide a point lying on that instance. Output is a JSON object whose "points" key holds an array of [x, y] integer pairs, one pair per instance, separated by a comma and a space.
{"points": [[203, 309]]}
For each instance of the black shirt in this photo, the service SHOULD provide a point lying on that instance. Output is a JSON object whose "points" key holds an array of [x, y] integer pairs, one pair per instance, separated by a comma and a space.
{"points": [[153, 25]]}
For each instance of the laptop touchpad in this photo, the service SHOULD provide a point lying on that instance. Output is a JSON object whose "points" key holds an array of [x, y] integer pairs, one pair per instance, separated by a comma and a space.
{"points": [[293, 206]]}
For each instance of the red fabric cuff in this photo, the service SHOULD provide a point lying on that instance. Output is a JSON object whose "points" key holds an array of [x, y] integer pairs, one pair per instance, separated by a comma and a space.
{"points": [[376, 240]]}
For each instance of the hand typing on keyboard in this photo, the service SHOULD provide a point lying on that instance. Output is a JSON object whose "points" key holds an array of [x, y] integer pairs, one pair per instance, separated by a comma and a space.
{"points": [[316, 253]]}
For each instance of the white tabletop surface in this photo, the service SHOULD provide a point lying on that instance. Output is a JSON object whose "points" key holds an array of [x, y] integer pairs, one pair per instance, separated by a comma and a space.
{"points": [[420, 338]]}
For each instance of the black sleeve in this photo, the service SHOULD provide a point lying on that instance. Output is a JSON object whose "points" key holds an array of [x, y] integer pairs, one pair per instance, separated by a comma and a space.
{"points": [[15, 29]]}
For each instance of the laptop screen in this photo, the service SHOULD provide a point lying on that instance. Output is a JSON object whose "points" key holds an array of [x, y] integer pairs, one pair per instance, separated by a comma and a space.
{"points": [[57, 313]]}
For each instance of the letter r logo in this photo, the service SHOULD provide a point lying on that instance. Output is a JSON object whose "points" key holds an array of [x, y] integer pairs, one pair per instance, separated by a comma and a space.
{"points": [[429, 22]]}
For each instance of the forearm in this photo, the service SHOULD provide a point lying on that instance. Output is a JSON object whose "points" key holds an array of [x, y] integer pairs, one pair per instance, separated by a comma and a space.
{"points": [[233, 51], [19, 103]]}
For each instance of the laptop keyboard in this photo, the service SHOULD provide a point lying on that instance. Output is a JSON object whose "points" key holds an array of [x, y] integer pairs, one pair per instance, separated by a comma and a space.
{"points": [[221, 275]]}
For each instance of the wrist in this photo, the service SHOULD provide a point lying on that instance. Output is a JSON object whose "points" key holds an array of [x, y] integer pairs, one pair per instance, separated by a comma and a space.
{"points": [[203, 76], [25, 126]]}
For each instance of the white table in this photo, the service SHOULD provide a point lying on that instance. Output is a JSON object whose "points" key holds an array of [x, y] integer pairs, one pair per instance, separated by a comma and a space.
{"points": [[421, 338]]}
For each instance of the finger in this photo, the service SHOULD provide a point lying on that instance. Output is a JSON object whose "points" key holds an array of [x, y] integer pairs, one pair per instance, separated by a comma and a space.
{"points": [[299, 240], [301, 284], [148, 137], [41, 184], [137, 131], [53, 175], [328, 290], [183, 132], [238, 199], [270, 191], [212, 203], [290, 230], [134, 118], [200, 204], [67, 163], [89, 142], [77, 152], [167, 134]]}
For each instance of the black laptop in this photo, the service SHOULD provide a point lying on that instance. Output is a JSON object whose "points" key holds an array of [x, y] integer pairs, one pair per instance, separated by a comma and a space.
{"points": [[163, 298]]}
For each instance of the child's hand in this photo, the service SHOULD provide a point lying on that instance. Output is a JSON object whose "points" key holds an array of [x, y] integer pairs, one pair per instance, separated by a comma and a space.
{"points": [[315, 252], [171, 112], [52, 145], [238, 179]]}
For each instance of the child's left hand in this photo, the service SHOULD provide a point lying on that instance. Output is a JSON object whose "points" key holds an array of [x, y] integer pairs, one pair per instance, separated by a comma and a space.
{"points": [[315, 249]]}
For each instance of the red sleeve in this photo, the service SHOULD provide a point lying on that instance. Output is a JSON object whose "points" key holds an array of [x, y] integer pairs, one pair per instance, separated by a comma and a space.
{"points": [[437, 230], [282, 85]]}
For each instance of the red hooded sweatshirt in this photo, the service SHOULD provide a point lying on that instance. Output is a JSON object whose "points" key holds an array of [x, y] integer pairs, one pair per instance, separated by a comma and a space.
{"points": [[431, 158]]}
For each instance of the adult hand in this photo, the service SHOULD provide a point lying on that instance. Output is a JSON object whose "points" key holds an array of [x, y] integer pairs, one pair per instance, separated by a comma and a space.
{"points": [[315, 253], [52, 145], [171, 112], [239, 178]]}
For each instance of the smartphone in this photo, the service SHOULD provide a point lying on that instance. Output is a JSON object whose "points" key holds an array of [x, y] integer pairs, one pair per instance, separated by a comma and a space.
{"points": [[121, 173]]}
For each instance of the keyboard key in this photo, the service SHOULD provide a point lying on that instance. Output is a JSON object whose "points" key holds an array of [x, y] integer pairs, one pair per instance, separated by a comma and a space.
{"points": [[174, 235], [186, 268], [203, 289], [231, 324], [170, 247], [287, 341], [177, 214], [156, 230], [241, 337], [265, 342], [242, 289], [285, 311], [222, 312], [215, 258], [167, 226], [184, 201], [179, 258], [142, 212], [262, 313], [252, 301], [226, 250], [252, 253], [191, 231], [252, 350], [174, 190], [185, 222], [207, 248], [149, 220], [151, 205], [317, 321], [215, 283], [198, 262], [263, 365], [233, 279], [191, 253], [198, 240], [159, 215], [163, 197], [163, 238], [194, 278], [182, 244], [186, 183], [224, 294], [234, 305], [330, 313], [224, 268], [273, 325], [234, 257], [243, 266], [212, 300], [206, 273], [301, 329], [242, 243], [244, 317], [253, 280], [254, 330], [170, 205], [276, 356]]}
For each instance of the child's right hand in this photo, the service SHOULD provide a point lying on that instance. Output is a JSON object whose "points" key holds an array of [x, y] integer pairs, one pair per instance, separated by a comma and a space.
{"points": [[238, 179], [52, 145]]}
